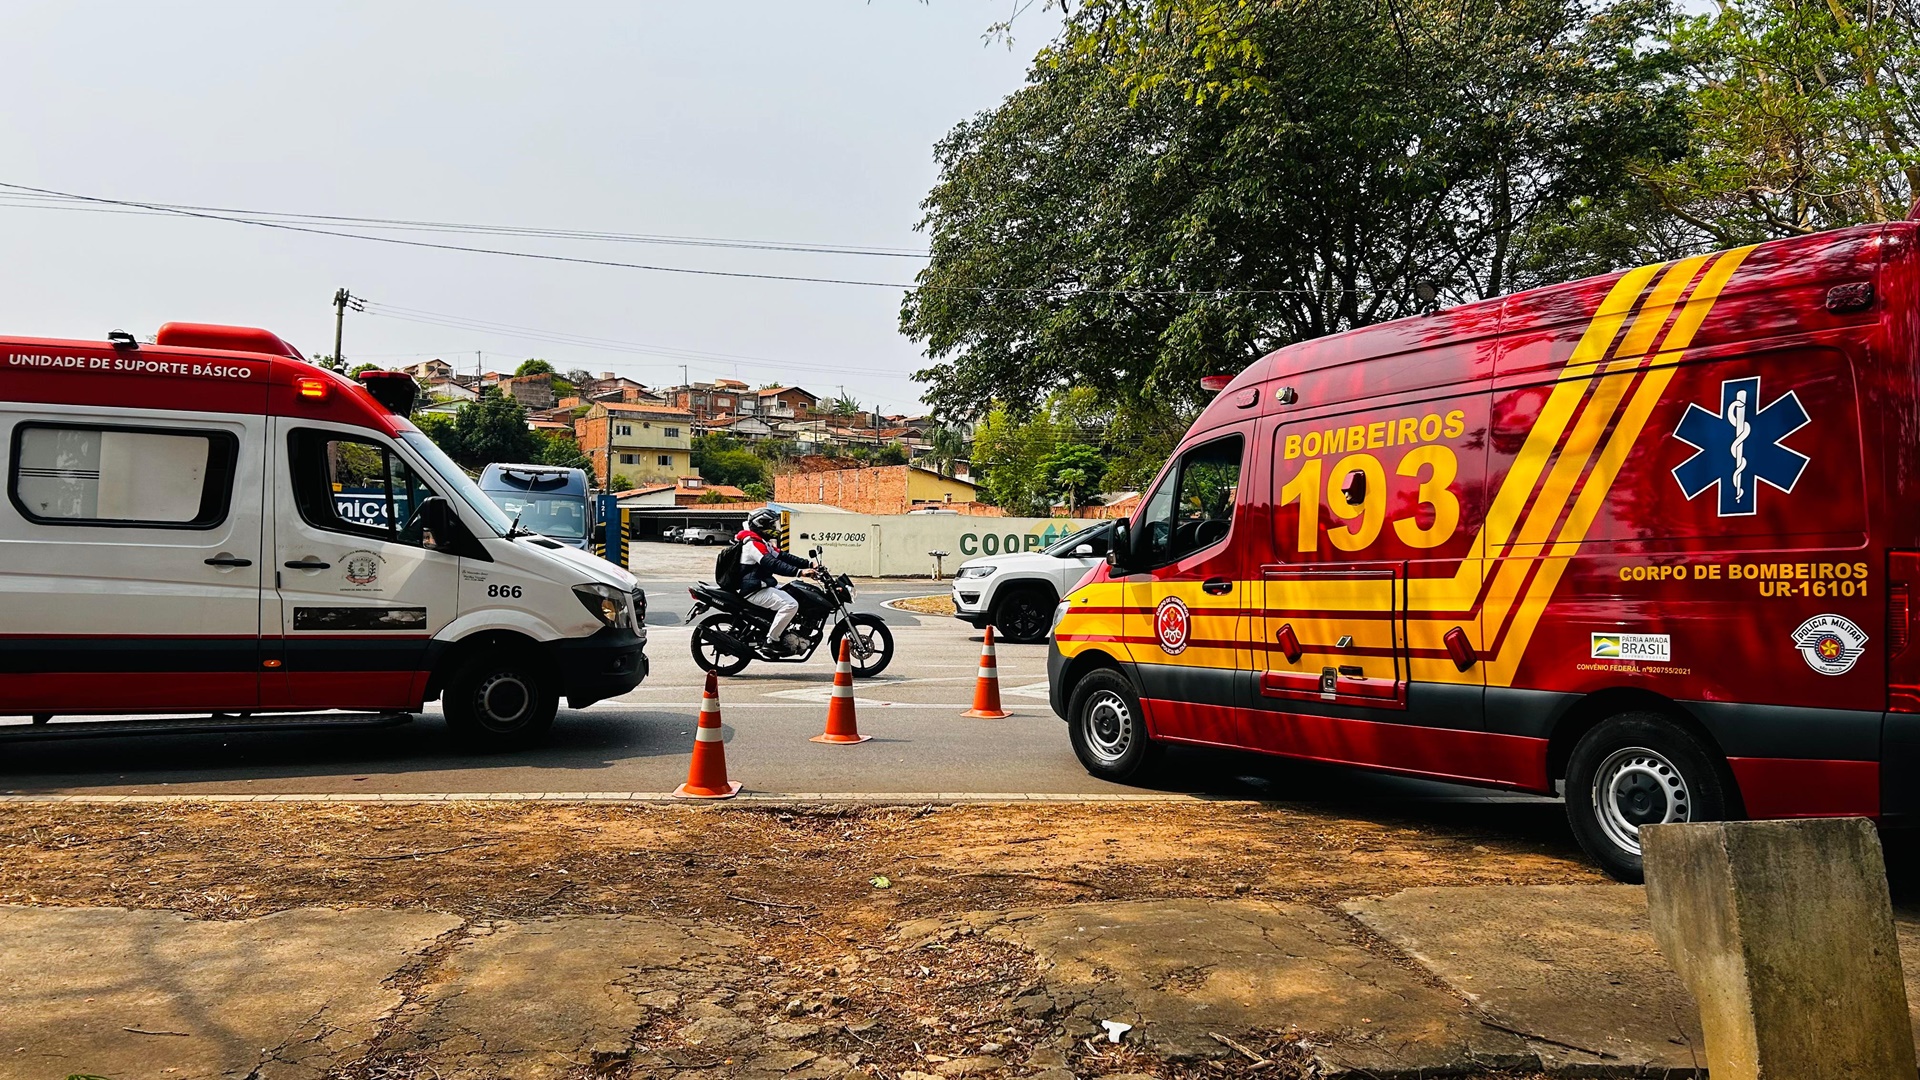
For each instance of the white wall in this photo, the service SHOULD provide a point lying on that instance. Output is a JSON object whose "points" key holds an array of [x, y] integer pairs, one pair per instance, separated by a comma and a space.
{"points": [[896, 545]]}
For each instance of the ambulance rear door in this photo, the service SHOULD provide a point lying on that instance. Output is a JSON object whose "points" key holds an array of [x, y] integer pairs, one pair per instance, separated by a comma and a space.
{"points": [[130, 559]]}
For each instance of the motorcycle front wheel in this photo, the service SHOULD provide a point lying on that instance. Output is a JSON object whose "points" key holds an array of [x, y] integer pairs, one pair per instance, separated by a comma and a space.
{"points": [[871, 632], [714, 640]]}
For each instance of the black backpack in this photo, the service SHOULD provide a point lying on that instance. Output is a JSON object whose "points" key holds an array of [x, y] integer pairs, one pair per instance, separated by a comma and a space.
{"points": [[726, 567]]}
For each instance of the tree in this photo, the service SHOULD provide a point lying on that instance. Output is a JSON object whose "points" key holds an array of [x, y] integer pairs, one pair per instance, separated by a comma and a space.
{"points": [[1073, 470], [1185, 185], [1070, 483], [891, 454], [533, 367], [620, 483], [580, 377], [720, 459], [494, 429], [844, 405], [757, 490], [325, 360], [358, 368], [1803, 118], [948, 448]]}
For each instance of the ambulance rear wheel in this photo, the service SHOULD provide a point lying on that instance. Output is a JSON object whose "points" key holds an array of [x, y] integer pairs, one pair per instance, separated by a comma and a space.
{"points": [[500, 701], [1634, 770], [1108, 730]]}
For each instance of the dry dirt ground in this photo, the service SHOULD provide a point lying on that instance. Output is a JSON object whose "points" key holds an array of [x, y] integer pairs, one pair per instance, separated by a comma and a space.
{"points": [[927, 605], [817, 891]]}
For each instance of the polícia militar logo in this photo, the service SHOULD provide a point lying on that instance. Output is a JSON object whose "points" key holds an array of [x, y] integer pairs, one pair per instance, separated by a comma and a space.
{"points": [[1738, 448]]}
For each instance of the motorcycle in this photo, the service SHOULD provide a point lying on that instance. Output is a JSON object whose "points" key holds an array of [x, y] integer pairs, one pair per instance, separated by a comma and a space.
{"points": [[735, 634]]}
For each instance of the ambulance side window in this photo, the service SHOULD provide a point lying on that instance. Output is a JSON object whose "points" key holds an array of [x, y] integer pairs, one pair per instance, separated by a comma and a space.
{"points": [[86, 474], [346, 483], [1193, 506]]}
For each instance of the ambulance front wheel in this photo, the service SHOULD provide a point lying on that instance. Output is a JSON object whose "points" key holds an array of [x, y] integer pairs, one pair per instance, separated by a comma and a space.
{"points": [[1634, 770], [1108, 731], [500, 701]]}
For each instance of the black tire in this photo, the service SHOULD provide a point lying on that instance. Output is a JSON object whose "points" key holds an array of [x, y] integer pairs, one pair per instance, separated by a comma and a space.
{"points": [[1639, 769], [1024, 615], [501, 701], [1108, 730], [879, 639], [710, 655]]}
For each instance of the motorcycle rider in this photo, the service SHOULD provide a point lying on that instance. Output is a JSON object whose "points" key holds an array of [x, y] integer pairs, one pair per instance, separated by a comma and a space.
{"points": [[760, 560]]}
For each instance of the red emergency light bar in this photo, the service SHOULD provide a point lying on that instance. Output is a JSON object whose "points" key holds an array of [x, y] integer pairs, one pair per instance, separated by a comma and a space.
{"points": [[1213, 384], [225, 338]]}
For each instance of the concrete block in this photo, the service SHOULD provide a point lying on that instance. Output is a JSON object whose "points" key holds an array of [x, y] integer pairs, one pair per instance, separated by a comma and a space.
{"points": [[1783, 931]]}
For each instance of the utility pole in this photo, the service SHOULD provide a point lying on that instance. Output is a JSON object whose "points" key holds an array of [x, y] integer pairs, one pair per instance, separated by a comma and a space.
{"points": [[342, 300]]}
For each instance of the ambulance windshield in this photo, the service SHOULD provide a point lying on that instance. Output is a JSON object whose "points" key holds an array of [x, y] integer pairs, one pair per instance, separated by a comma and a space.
{"points": [[462, 484]]}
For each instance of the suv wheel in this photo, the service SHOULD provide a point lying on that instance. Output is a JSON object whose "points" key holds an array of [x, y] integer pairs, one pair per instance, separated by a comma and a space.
{"points": [[500, 701], [1023, 615], [1633, 770], [1108, 731]]}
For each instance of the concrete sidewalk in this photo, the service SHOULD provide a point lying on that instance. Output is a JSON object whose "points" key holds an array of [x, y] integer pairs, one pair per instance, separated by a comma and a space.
{"points": [[1446, 981]]}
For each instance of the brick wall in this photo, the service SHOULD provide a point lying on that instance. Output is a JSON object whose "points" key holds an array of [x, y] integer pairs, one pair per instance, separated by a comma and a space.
{"points": [[880, 490]]}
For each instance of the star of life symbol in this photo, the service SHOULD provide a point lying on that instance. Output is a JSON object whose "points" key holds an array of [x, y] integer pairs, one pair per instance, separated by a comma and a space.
{"points": [[1738, 448]]}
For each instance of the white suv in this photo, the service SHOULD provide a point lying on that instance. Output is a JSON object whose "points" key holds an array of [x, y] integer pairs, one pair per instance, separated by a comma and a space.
{"points": [[1016, 593]]}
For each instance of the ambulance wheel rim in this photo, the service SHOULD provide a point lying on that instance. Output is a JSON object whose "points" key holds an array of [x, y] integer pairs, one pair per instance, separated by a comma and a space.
{"points": [[504, 700], [1636, 787], [1109, 726]]}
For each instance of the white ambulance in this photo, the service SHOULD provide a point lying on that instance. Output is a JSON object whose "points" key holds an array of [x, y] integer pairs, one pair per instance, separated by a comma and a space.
{"points": [[209, 526]]}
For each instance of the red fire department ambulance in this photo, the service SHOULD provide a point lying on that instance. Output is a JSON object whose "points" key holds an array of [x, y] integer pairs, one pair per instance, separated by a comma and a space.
{"points": [[1651, 538], [211, 525]]}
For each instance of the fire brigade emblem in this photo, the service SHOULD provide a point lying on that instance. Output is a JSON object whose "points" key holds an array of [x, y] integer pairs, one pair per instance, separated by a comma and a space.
{"points": [[1172, 624], [1738, 448], [1830, 643]]}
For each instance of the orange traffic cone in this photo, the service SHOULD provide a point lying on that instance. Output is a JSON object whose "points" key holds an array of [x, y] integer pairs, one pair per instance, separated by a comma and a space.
{"points": [[707, 774], [986, 689], [842, 727]]}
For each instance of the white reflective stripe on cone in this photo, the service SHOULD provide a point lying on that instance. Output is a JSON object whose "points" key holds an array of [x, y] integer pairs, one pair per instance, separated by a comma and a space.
{"points": [[988, 673], [704, 733]]}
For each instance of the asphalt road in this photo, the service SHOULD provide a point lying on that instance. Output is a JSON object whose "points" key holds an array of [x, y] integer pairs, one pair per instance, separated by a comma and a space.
{"points": [[641, 742]]}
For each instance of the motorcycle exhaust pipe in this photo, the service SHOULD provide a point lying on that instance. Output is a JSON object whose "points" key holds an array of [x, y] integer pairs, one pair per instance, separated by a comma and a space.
{"points": [[730, 643]]}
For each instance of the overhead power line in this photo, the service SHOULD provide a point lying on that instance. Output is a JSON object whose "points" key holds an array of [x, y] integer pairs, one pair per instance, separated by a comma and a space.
{"points": [[32, 199], [614, 345], [1060, 289]]}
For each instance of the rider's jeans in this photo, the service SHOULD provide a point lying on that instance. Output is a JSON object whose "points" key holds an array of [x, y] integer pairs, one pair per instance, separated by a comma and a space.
{"points": [[783, 606]]}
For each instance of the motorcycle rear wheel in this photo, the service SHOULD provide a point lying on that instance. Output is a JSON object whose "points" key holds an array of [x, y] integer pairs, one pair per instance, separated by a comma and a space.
{"points": [[714, 656]]}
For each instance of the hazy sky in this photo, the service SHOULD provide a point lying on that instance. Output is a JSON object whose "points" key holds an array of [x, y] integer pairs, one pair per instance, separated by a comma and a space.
{"points": [[808, 121]]}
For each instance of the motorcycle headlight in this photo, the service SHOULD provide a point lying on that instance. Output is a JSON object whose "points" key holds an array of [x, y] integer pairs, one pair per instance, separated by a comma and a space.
{"points": [[608, 604]]}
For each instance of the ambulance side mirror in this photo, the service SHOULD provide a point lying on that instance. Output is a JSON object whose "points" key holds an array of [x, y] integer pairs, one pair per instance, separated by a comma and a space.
{"points": [[443, 531], [1120, 546]]}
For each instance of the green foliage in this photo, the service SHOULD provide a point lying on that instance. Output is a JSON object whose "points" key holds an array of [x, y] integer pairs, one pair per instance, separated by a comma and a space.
{"points": [[713, 497], [890, 454], [533, 367], [1015, 459], [844, 405], [493, 429], [325, 360], [759, 490], [358, 368], [1802, 118], [1185, 185], [949, 448], [1073, 471], [621, 483], [721, 459]]}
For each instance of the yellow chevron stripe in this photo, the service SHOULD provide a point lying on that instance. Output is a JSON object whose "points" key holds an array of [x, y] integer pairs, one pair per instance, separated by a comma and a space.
{"points": [[1593, 494]]}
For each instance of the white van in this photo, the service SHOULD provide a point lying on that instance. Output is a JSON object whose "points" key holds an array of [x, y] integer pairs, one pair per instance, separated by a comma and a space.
{"points": [[209, 525]]}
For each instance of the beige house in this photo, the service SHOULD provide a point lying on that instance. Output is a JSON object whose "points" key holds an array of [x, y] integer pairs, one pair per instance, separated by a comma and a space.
{"points": [[649, 444]]}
